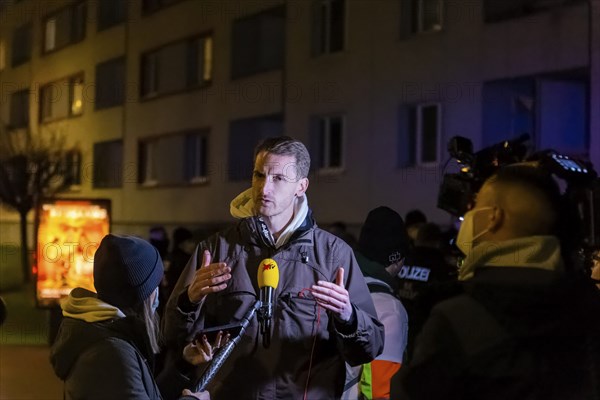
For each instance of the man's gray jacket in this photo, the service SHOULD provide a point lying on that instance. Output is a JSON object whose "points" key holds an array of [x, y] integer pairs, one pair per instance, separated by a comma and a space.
{"points": [[308, 347]]}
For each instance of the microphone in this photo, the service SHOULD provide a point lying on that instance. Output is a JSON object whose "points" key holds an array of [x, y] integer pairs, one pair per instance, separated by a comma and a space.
{"points": [[268, 279]]}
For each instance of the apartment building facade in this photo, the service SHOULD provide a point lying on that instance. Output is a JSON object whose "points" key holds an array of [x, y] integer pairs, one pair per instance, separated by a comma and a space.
{"points": [[165, 99]]}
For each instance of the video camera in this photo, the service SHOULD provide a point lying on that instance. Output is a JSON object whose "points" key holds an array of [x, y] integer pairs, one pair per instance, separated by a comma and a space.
{"points": [[581, 196], [457, 192]]}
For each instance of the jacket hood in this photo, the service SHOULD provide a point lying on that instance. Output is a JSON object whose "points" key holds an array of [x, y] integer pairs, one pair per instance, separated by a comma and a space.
{"points": [[243, 207], [89, 320], [542, 252], [84, 305]]}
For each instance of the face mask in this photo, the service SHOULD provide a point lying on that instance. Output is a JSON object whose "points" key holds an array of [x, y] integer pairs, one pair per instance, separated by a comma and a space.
{"points": [[156, 302], [466, 235]]}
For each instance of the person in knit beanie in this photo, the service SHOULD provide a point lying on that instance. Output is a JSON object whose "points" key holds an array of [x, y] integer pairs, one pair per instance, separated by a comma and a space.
{"points": [[107, 340], [382, 246], [383, 239]]}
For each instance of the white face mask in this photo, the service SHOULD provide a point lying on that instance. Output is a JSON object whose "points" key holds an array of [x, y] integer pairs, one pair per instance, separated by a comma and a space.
{"points": [[156, 301], [466, 238]]}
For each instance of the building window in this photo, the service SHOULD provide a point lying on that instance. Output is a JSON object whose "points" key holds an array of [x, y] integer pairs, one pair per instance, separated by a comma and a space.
{"points": [[108, 164], [65, 27], [19, 109], [76, 95], [420, 16], [195, 157], [173, 159], [329, 26], [61, 99], [420, 135], [111, 13], [552, 108], [183, 65], [327, 142], [2, 55], [149, 6], [498, 10], [110, 83], [72, 168], [21, 45], [258, 43], [244, 135]]}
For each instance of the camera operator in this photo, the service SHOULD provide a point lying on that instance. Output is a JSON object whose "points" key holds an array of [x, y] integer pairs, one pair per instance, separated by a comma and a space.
{"points": [[523, 328]]}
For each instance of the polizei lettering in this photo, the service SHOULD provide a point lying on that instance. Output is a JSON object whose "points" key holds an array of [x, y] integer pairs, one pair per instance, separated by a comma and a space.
{"points": [[414, 273]]}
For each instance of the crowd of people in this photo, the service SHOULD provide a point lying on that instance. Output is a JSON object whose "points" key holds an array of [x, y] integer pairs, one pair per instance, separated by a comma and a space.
{"points": [[390, 315]]}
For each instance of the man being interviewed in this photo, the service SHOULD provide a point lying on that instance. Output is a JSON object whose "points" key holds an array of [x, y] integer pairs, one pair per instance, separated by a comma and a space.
{"points": [[323, 313]]}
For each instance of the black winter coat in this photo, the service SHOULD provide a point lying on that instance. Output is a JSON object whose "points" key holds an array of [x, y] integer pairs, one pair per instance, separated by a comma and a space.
{"points": [[104, 360], [516, 333]]}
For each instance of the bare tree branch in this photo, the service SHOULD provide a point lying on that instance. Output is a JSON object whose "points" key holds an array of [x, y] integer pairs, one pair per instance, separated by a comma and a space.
{"points": [[32, 166]]}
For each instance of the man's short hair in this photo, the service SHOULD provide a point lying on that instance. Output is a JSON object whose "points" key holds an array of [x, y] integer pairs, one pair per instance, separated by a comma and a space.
{"points": [[536, 181], [287, 146]]}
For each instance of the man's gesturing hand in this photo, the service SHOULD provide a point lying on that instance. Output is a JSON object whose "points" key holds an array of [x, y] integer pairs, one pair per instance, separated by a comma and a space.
{"points": [[334, 297], [209, 278]]}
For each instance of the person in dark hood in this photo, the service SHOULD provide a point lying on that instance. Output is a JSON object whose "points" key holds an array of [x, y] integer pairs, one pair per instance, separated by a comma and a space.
{"points": [[107, 340], [382, 246], [524, 328], [183, 247], [159, 238], [414, 220]]}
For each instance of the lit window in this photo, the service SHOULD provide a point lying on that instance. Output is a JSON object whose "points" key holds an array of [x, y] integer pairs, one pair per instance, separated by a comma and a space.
{"points": [[173, 159], [207, 62], [149, 151], [50, 37], [2, 55], [180, 66], [65, 27], [62, 99], [76, 89]]}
